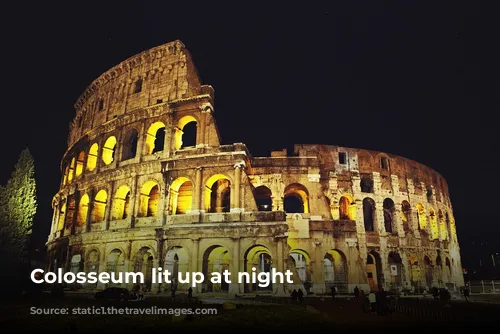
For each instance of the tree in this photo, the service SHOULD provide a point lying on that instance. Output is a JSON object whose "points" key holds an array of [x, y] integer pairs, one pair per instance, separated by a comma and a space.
{"points": [[17, 209]]}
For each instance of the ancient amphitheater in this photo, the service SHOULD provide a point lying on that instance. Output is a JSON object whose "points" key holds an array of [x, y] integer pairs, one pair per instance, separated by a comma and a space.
{"points": [[146, 183]]}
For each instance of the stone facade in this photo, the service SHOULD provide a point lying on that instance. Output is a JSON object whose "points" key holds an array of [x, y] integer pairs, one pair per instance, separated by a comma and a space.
{"points": [[146, 183]]}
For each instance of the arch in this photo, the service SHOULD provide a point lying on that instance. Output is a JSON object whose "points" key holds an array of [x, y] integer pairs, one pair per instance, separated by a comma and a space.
{"points": [[108, 150], [369, 214], [143, 263], [71, 171], [99, 206], [121, 203], [335, 270], [396, 269], [215, 259], [70, 214], [300, 265], [92, 157], [62, 212], [422, 218], [181, 196], [65, 176], [149, 199], [374, 270], [218, 193], [257, 259], [434, 224], [263, 198], [155, 138], [448, 267], [366, 184], [389, 215], [428, 271], [79, 163], [130, 140], [347, 208], [115, 264], [185, 134], [385, 162], [443, 230], [406, 215], [83, 210], [177, 261], [296, 198]]}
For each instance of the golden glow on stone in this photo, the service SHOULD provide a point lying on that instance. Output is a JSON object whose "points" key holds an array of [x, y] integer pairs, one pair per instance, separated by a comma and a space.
{"points": [[178, 131], [181, 196], [121, 203], [151, 136], [83, 210], [149, 198], [92, 157], [108, 151], [99, 206]]}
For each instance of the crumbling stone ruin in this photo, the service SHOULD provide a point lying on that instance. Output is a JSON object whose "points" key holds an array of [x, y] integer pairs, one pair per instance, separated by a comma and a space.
{"points": [[146, 183]]}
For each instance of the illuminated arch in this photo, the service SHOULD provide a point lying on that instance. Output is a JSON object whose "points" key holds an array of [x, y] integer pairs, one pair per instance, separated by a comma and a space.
{"points": [[143, 263], [99, 206], [218, 193], [443, 230], [83, 210], [180, 134], [406, 215], [155, 138], [121, 203], [79, 163], [62, 212], [296, 198], [215, 259], [177, 261], [374, 270], [70, 214], [263, 198], [260, 258], [347, 208], [65, 177], [300, 265], [149, 199], [108, 151], [335, 269], [181, 196], [71, 170], [92, 157], [434, 224], [422, 218]]}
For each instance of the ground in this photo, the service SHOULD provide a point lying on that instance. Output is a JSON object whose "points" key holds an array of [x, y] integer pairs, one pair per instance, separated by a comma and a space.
{"points": [[323, 314]]}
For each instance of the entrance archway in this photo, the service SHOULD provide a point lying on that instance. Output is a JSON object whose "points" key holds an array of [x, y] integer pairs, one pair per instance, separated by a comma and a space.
{"points": [[374, 270], [258, 257], [396, 270], [177, 261], [215, 259], [143, 263], [335, 270]]}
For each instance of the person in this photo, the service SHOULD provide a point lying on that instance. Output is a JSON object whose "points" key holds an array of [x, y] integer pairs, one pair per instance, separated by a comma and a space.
{"points": [[372, 299], [362, 299], [466, 293], [334, 292], [300, 296], [356, 293], [294, 296]]}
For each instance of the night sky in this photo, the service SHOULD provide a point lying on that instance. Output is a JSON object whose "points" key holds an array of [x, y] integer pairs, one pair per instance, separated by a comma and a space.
{"points": [[418, 80]]}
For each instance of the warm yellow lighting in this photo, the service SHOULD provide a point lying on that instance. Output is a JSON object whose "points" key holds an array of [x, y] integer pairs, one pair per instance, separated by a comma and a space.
{"points": [[179, 130], [79, 163], [151, 137], [71, 170], [181, 196], [92, 157], [99, 206], [216, 260], [422, 218], [217, 188], [65, 177], [346, 209], [149, 198], [83, 209], [434, 225], [442, 226], [62, 211], [121, 203], [298, 190], [108, 151]]}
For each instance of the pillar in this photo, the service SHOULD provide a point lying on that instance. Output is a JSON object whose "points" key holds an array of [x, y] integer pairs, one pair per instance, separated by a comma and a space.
{"points": [[318, 284], [195, 265], [280, 264], [236, 207], [234, 287], [198, 191]]}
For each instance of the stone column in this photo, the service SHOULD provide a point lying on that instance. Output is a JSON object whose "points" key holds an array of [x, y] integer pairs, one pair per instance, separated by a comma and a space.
{"points": [[89, 210], [280, 264], [234, 287], [195, 266], [237, 188], [109, 204], [61, 232], [76, 196], [318, 284], [198, 191]]}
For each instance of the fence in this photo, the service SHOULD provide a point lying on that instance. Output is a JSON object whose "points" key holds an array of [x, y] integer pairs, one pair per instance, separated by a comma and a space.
{"points": [[484, 286]]}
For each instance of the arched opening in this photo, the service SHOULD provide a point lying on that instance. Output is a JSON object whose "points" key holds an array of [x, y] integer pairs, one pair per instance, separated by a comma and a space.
{"points": [[258, 259], [263, 198], [347, 208], [185, 134], [389, 215], [83, 210], [443, 231], [155, 138], [434, 225], [116, 265], [300, 266], [130, 140], [65, 176], [406, 215], [177, 261], [374, 270], [428, 271], [369, 214], [71, 170], [448, 268], [92, 265], [335, 270], [149, 199], [396, 270], [143, 263], [79, 163], [448, 226], [108, 151], [92, 157], [62, 212], [366, 184], [215, 260], [218, 194], [422, 218], [181, 196], [71, 211], [384, 163], [296, 199], [121, 203], [99, 206]]}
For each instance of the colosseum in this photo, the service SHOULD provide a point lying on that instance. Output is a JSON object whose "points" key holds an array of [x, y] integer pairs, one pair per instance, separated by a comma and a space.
{"points": [[146, 182]]}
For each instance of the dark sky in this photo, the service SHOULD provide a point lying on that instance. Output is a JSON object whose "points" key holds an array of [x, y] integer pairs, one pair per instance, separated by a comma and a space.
{"points": [[419, 80]]}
